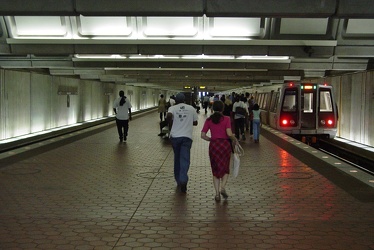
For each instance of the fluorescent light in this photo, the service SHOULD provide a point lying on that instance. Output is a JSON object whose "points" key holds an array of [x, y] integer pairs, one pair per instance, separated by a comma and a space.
{"points": [[187, 57], [263, 58], [93, 56], [153, 57]]}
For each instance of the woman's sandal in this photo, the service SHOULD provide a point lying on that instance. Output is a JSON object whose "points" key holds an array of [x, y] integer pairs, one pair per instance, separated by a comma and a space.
{"points": [[217, 198], [224, 194]]}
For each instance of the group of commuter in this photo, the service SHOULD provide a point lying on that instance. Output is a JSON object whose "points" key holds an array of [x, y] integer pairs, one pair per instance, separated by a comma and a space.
{"points": [[244, 113], [181, 117]]}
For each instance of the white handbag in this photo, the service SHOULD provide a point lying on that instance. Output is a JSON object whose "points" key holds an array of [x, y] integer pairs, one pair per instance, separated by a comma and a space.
{"points": [[238, 151]]}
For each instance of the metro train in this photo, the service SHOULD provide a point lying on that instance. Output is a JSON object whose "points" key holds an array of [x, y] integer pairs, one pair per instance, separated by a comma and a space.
{"points": [[306, 111]]}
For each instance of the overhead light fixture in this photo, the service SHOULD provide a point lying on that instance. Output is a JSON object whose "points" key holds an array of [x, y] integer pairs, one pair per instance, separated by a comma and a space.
{"points": [[202, 87], [187, 87], [97, 56], [205, 57], [263, 58], [183, 57]]}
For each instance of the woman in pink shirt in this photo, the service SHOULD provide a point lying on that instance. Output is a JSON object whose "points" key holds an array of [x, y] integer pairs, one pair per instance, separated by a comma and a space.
{"points": [[220, 147]]}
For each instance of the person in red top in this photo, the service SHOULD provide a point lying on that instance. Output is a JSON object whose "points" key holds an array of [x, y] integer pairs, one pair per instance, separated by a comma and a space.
{"points": [[220, 147]]}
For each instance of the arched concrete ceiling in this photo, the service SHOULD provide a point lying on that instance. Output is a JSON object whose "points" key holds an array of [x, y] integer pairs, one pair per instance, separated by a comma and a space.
{"points": [[163, 44]]}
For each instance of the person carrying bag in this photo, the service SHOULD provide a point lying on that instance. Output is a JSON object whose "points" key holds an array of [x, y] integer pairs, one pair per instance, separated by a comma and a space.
{"points": [[219, 147]]}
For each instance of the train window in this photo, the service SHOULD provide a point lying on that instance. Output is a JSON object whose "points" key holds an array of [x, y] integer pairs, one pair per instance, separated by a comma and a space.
{"points": [[265, 103], [325, 103], [274, 101], [260, 98], [289, 101], [308, 103]]}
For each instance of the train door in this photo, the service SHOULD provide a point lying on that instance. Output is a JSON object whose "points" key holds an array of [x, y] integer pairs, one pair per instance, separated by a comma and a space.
{"points": [[273, 109], [308, 107], [327, 113]]}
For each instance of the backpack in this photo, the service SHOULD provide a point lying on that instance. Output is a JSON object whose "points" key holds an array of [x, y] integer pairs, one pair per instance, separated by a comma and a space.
{"points": [[240, 111]]}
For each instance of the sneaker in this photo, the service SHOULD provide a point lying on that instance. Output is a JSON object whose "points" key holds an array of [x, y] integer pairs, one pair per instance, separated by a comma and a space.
{"points": [[183, 188], [161, 134], [125, 138]]}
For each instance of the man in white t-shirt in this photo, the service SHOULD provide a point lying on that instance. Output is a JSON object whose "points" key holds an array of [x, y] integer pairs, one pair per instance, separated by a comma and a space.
{"points": [[181, 117], [122, 109], [172, 101]]}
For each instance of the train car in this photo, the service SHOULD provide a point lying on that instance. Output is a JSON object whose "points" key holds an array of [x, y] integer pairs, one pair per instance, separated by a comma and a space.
{"points": [[306, 111]]}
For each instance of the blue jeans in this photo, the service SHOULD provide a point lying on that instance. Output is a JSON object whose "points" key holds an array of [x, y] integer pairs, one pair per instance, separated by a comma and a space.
{"points": [[256, 129], [182, 152]]}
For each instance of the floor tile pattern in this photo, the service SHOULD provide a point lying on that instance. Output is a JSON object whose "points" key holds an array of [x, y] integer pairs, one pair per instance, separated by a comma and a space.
{"points": [[97, 193]]}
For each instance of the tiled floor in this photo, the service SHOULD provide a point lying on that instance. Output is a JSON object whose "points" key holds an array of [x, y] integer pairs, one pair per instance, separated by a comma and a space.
{"points": [[97, 193]]}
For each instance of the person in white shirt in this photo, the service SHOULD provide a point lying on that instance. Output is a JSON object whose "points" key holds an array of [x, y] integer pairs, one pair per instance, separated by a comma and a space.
{"points": [[122, 109], [181, 117], [240, 110], [206, 100], [172, 101]]}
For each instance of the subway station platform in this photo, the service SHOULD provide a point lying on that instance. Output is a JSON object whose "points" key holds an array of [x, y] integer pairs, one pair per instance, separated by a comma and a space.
{"points": [[85, 190]]}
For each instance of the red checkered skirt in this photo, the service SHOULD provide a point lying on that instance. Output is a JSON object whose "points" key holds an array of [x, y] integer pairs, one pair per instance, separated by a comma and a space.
{"points": [[219, 154]]}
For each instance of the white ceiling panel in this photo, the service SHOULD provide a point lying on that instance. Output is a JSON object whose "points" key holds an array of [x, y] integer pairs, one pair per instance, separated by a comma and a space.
{"points": [[304, 26], [360, 26], [104, 26], [234, 27], [170, 26], [39, 26]]}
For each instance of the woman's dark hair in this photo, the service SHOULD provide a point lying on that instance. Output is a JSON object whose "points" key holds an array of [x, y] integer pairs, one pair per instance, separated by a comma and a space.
{"points": [[123, 99], [218, 107], [256, 107]]}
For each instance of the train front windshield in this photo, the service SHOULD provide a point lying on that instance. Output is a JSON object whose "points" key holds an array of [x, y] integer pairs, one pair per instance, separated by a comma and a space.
{"points": [[327, 118], [288, 114], [325, 102]]}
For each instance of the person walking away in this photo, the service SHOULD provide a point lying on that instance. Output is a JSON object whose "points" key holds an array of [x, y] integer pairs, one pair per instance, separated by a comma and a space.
{"points": [[172, 100], [220, 147], [247, 98], [251, 102], [256, 122], [122, 110], [181, 117], [162, 107], [228, 106], [206, 103], [240, 111]]}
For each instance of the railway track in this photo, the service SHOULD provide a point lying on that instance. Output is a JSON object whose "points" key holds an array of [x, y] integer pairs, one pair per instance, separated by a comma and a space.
{"points": [[358, 157]]}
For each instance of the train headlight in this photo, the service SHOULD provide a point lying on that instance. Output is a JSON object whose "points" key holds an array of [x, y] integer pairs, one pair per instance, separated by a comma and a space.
{"points": [[284, 122], [330, 122], [323, 122]]}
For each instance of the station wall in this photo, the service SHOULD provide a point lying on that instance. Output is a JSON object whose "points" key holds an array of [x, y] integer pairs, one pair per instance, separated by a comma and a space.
{"points": [[34, 102], [355, 99]]}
